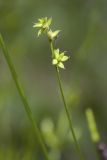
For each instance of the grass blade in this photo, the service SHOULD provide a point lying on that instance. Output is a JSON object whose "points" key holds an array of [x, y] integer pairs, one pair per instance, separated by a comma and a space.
{"points": [[37, 132]]}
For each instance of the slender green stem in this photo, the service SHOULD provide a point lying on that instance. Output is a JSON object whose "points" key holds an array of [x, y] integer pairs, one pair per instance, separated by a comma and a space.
{"points": [[52, 50], [37, 132], [66, 109]]}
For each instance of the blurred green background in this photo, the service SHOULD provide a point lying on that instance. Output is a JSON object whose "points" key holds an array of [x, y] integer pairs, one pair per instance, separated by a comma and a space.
{"points": [[83, 25]]}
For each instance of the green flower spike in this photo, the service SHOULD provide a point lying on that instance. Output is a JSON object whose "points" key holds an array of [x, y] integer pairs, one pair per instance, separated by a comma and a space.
{"points": [[52, 35], [43, 25], [59, 58]]}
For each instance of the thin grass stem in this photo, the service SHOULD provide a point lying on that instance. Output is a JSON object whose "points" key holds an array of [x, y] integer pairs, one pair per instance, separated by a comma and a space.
{"points": [[37, 132], [66, 108]]}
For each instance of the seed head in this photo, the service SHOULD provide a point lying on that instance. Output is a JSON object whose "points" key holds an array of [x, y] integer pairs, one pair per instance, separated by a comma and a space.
{"points": [[59, 58]]}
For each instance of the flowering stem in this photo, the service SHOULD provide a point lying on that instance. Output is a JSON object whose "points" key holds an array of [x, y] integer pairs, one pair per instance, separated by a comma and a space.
{"points": [[66, 107], [37, 132]]}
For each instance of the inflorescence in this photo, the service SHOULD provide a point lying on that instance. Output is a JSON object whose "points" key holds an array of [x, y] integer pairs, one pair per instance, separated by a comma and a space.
{"points": [[43, 25]]}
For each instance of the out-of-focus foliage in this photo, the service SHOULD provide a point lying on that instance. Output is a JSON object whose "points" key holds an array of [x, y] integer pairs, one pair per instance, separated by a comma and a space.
{"points": [[83, 25]]}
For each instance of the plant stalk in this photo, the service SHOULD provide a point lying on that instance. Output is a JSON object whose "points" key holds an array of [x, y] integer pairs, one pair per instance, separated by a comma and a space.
{"points": [[66, 108], [37, 132]]}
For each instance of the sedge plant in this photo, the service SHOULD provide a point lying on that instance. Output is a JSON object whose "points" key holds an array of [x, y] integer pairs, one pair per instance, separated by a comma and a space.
{"points": [[38, 135], [58, 59]]}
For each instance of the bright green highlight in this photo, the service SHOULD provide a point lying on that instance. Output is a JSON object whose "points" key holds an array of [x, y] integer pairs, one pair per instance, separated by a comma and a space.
{"points": [[48, 130], [92, 125]]}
